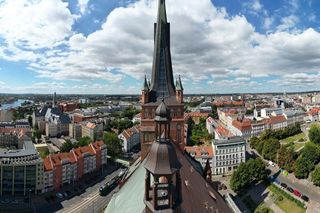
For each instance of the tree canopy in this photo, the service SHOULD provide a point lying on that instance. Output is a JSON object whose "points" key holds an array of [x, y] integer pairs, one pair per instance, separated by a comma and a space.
{"points": [[114, 144], [67, 146], [305, 163], [246, 173], [316, 176], [85, 141], [314, 133]]}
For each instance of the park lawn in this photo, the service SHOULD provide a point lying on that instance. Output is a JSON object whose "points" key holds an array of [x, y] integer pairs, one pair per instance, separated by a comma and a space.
{"points": [[288, 206], [293, 138], [298, 145], [262, 208]]}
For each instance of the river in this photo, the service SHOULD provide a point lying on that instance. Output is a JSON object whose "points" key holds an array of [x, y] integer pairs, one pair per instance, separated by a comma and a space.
{"points": [[14, 104]]}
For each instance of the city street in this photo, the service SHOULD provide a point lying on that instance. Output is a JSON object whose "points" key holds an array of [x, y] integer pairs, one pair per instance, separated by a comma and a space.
{"points": [[305, 187], [88, 201]]}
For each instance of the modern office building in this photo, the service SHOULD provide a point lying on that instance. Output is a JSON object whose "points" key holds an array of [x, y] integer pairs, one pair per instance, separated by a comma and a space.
{"points": [[21, 168], [228, 154]]}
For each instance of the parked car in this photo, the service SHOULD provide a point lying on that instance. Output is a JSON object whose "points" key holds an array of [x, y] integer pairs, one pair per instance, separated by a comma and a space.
{"points": [[284, 185], [297, 193], [305, 198], [290, 189], [272, 164], [277, 181], [59, 195]]}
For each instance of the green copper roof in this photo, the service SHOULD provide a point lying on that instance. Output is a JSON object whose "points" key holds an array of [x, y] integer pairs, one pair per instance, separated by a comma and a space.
{"points": [[130, 196], [179, 84], [145, 86]]}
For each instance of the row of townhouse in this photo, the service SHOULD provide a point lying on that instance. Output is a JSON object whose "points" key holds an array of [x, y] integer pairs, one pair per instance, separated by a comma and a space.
{"points": [[65, 168], [246, 128], [313, 114]]}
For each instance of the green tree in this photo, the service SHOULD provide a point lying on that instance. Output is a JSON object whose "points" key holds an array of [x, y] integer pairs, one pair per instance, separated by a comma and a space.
{"points": [[114, 144], [316, 176], [302, 168], [305, 163], [314, 134], [270, 149], [67, 146], [254, 141], [214, 112], [129, 113], [246, 173], [256, 169], [85, 141], [36, 133], [286, 157], [30, 120], [44, 154], [240, 178]]}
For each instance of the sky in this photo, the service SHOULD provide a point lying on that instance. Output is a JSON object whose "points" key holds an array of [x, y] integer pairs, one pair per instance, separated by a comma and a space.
{"points": [[106, 47]]}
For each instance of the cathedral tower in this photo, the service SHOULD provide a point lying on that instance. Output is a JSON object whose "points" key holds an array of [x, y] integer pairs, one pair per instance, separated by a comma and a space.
{"points": [[161, 87]]}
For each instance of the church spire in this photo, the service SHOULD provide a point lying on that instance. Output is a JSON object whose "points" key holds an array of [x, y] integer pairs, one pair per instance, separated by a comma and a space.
{"points": [[54, 100], [162, 84], [162, 13]]}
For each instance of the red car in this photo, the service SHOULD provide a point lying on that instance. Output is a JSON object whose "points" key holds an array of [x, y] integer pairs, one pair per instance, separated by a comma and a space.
{"points": [[297, 193]]}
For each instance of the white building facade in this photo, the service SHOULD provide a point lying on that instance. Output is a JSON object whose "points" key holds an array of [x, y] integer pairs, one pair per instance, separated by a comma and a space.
{"points": [[228, 154]]}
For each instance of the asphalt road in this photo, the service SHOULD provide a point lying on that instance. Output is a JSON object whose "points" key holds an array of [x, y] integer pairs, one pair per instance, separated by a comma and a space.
{"points": [[90, 201], [86, 201], [305, 187]]}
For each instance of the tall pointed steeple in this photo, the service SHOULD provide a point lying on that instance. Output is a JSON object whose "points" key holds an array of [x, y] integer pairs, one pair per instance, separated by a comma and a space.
{"points": [[54, 100], [162, 84], [145, 86]]}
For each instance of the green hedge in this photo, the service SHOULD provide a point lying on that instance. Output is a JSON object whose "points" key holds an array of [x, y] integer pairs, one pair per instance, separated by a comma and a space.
{"points": [[276, 189]]}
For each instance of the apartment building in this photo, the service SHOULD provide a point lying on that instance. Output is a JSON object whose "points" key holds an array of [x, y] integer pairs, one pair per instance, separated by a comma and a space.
{"points": [[65, 168], [130, 138], [228, 153], [202, 154]]}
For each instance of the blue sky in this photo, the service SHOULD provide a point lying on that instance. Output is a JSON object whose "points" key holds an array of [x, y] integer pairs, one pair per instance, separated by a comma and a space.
{"points": [[105, 47]]}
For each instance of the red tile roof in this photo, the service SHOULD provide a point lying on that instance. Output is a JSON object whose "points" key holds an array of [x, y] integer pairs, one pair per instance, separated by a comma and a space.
{"points": [[228, 103], [242, 125], [54, 160], [223, 131], [314, 111], [197, 114], [277, 119], [198, 151]]}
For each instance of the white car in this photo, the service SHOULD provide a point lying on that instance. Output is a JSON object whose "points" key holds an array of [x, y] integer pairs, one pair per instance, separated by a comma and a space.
{"points": [[272, 164], [59, 195]]}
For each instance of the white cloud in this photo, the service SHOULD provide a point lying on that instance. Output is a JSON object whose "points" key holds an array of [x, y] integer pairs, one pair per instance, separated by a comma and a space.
{"points": [[256, 6], [34, 24], [207, 44], [267, 23], [83, 5], [288, 22]]}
